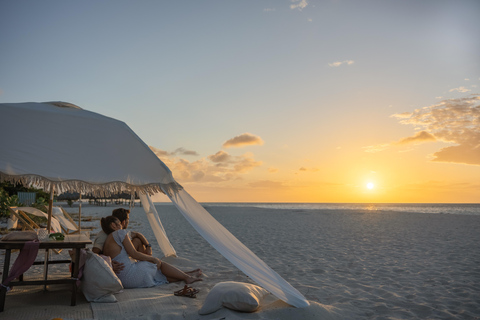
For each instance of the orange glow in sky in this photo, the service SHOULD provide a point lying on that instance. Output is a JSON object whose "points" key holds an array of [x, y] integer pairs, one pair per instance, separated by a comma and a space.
{"points": [[278, 101]]}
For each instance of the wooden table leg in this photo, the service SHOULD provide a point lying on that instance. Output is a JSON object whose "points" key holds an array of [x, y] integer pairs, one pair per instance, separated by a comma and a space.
{"points": [[45, 268], [76, 265], [6, 269]]}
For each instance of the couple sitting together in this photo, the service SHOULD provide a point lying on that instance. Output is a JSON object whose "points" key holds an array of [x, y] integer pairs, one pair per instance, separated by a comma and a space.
{"points": [[131, 255]]}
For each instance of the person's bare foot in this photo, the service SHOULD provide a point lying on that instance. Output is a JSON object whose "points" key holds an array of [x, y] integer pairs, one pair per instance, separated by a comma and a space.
{"points": [[190, 280], [195, 273]]}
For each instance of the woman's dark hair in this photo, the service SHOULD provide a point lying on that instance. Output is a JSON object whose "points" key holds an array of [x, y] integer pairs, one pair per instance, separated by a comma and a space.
{"points": [[106, 224], [121, 214]]}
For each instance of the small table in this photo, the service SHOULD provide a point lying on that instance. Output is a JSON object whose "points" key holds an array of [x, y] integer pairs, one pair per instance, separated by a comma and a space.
{"points": [[76, 242]]}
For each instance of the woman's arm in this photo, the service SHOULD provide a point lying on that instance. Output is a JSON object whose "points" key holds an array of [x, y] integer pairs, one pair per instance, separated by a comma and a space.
{"points": [[129, 247]]}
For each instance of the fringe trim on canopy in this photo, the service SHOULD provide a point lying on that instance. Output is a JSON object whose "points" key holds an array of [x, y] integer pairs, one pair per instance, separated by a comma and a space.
{"points": [[83, 187]]}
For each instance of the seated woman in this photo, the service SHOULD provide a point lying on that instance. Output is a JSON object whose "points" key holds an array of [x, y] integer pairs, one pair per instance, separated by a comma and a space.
{"points": [[147, 271]]}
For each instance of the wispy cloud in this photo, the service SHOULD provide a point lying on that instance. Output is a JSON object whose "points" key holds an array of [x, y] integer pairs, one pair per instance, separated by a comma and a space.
{"points": [[242, 140], [459, 89], [185, 152], [219, 157], [455, 121], [269, 9], [417, 138], [339, 63], [299, 4], [178, 151], [303, 169]]}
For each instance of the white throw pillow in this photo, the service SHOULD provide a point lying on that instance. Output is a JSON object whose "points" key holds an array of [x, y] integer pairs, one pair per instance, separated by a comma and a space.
{"points": [[99, 282], [237, 296]]}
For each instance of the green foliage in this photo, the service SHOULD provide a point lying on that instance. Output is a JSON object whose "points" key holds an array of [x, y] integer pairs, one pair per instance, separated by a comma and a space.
{"points": [[12, 189], [40, 203], [70, 202], [7, 201], [9, 198]]}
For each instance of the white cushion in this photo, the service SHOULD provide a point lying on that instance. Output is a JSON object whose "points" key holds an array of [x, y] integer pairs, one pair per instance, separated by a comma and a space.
{"points": [[99, 282], [237, 296]]}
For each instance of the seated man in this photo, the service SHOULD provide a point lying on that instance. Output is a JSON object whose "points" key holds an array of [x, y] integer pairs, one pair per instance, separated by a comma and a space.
{"points": [[139, 241]]}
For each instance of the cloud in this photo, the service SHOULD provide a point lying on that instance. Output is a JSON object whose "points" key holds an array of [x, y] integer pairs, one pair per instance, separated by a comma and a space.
{"points": [[220, 156], [459, 89], [339, 63], [377, 147], [246, 163], [218, 167], [185, 152], [303, 169], [298, 4], [269, 9], [454, 121], [182, 151], [244, 139], [158, 152], [417, 138], [466, 154]]}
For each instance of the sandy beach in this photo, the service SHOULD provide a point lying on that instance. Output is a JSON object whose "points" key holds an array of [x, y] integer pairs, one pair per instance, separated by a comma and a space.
{"points": [[348, 264]]}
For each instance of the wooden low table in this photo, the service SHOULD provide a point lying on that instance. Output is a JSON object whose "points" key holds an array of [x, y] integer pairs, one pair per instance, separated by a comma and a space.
{"points": [[75, 242]]}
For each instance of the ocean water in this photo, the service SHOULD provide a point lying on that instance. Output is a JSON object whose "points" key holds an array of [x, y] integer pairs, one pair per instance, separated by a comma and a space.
{"points": [[437, 208]]}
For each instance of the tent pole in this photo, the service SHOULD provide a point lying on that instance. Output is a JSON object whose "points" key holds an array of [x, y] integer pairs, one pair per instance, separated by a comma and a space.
{"points": [[49, 227], [50, 208], [80, 214]]}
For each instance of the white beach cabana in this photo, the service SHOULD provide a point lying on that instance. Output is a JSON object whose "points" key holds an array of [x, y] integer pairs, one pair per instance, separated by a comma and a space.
{"points": [[61, 147]]}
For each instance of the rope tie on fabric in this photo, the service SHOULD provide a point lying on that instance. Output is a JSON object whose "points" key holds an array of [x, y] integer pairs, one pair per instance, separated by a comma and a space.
{"points": [[6, 287]]}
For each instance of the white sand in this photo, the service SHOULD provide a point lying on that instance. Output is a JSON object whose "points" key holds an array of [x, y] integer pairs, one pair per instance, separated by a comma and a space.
{"points": [[349, 265]]}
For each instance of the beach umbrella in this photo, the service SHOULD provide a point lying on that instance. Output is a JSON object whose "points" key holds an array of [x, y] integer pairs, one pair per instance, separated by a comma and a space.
{"points": [[60, 147]]}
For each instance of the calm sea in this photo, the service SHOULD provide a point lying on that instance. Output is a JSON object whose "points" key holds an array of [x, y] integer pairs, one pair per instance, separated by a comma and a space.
{"points": [[438, 208]]}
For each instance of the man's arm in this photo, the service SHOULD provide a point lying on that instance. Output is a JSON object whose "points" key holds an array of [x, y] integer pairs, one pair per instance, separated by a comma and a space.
{"points": [[141, 243], [99, 242]]}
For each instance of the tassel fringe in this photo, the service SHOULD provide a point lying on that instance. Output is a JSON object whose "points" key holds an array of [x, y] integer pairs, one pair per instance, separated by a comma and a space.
{"points": [[83, 187]]}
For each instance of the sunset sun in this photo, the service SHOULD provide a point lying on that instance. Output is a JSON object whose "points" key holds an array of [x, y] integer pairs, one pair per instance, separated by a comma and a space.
{"points": [[370, 186]]}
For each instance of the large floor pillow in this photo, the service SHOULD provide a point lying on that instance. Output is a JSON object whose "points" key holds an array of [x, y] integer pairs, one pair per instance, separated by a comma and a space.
{"points": [[99, 282], [237, 296]]}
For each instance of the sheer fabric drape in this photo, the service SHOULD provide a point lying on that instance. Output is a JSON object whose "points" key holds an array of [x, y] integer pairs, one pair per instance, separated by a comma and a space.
{"points": [[157, 226], [235, 251]]}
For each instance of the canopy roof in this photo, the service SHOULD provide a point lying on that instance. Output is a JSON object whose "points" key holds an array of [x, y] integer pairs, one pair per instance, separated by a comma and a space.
{"points": [[60, 144]]}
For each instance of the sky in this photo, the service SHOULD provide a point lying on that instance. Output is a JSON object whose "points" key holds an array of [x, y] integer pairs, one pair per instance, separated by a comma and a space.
{"points": [[269, 101]]}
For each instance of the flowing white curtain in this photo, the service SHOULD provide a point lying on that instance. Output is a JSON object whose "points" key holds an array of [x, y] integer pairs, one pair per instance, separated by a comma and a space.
{"points": [[157, 226], [235, 251]]}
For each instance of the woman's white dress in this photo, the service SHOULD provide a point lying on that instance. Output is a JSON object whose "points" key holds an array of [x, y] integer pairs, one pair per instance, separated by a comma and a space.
{"points": [[136, 274]]}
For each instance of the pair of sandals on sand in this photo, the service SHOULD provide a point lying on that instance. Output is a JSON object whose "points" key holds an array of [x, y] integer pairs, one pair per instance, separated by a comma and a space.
{"points": [[187, 291]]}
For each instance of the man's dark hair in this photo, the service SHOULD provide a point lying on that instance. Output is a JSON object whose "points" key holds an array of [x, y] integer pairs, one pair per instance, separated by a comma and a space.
{"points": [[121, 214]]}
